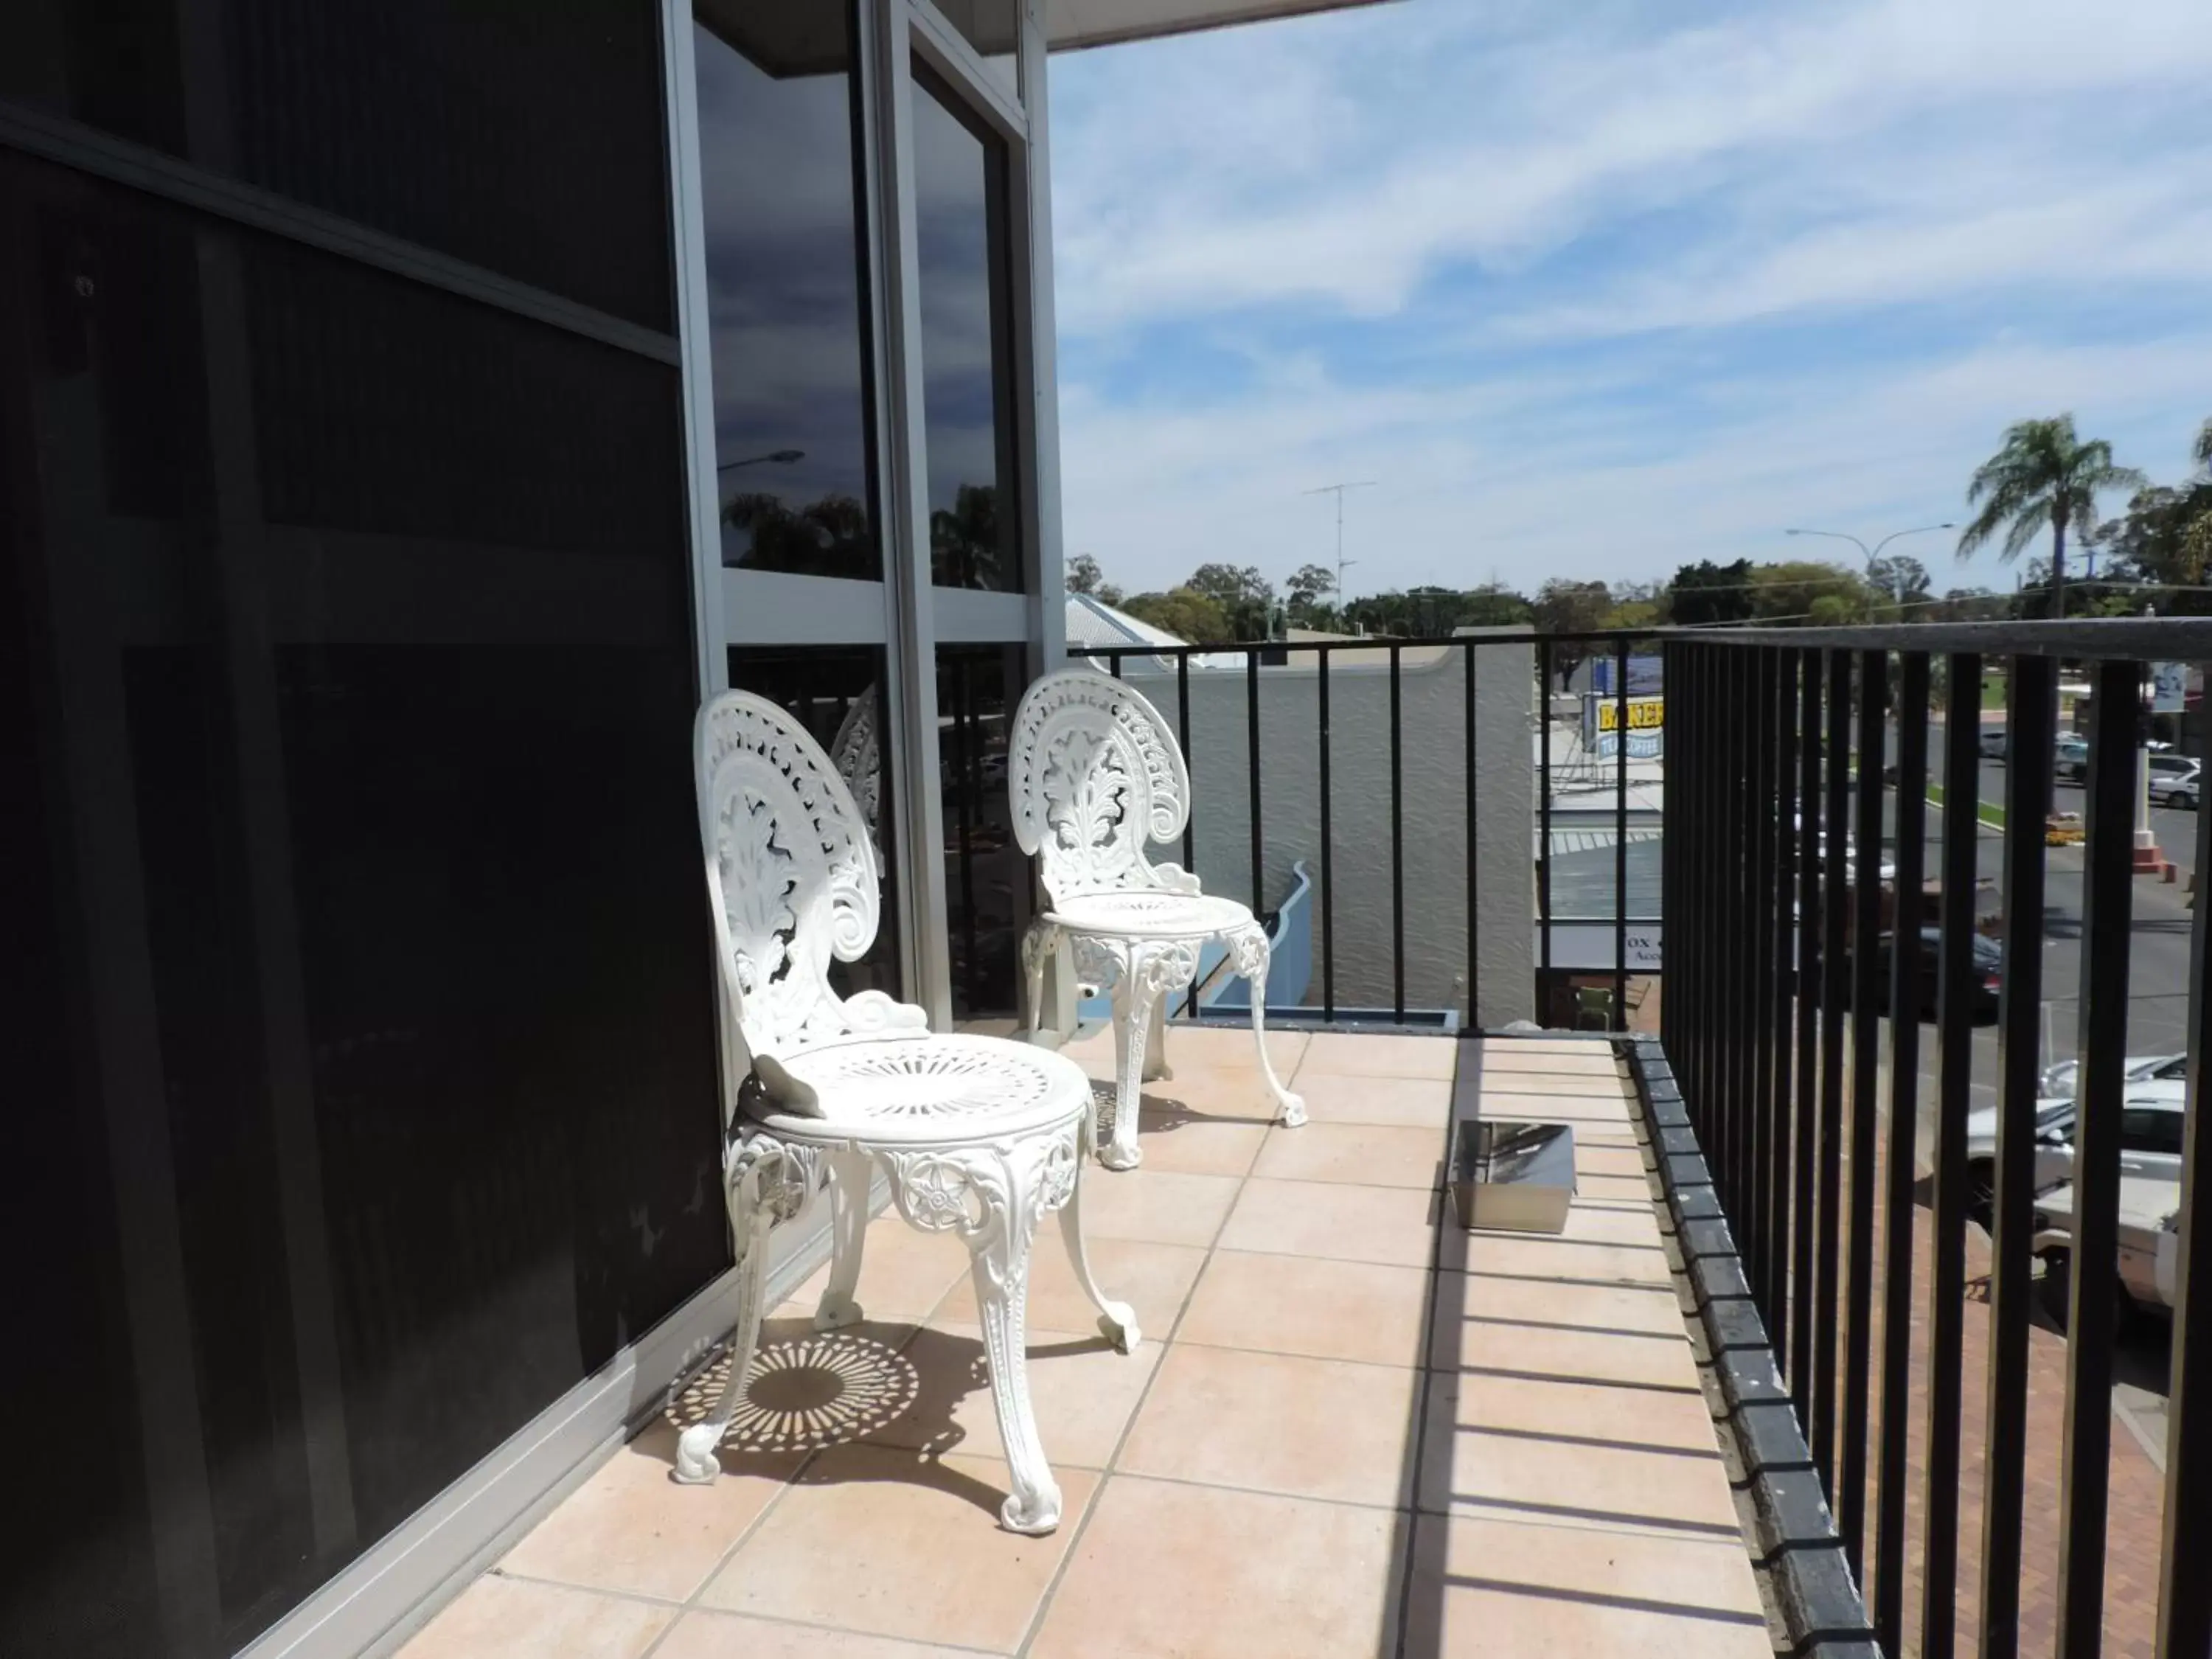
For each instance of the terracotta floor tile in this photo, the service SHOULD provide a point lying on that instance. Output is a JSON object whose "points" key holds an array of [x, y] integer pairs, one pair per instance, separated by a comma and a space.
{"points": [[707, 1635], [1606, 1464], [1663, 1361], [1208, 1047], [1529, 1255], [808, 1390], [1375, 1055], [1157, 1206], [1391, 1224], [1154, 1280], [904, 1272], [1371, 1155], [1083, 1389], [517, 1620], [1279, 1423], [1302, 1305], [1485, 1587], [1665, 1419], [1591, 1059], [1182, 1138], [1505, 1303], [1202, 1573], [871, 1539], [1554, 1045], [1417, 1102], [630, 1528], [1615, 1161], [1609, 1188], [1575, 1100]]}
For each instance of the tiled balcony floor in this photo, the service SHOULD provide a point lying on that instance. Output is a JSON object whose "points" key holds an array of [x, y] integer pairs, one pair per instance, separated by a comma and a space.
{"points": [[1346, 1432]]}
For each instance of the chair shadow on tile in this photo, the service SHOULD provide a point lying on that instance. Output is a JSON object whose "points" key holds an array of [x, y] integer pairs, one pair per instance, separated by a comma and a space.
{"points": [[1162, 1110], [894, 1387]]}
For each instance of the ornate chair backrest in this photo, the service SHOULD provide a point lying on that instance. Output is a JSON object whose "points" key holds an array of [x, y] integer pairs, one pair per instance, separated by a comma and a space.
{"points": [[1095, 773], [856, 753], [791, 876]]}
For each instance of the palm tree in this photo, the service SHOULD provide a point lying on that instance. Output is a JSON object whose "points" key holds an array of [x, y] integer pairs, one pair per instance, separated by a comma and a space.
{"points": [[2043, 476], [2202, 452]]}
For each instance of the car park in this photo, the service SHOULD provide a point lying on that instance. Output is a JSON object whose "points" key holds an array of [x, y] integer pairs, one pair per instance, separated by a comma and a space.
{"points": [[2170, 773], [2148, 1241], [2151, 1122], [1993, 742], [2070, 757]]}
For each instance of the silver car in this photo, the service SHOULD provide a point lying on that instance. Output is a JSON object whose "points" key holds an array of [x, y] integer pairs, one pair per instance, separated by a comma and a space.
{"points": [[2151, 1124], [2057, 1081]]}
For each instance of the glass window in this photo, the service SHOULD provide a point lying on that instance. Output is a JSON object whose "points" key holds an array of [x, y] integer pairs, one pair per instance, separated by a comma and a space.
{"points": [[529, 140], [836, 692], [2148, 1129], [788, 302], [346, 678], [993, 29], [987, 894], [961, 172]]}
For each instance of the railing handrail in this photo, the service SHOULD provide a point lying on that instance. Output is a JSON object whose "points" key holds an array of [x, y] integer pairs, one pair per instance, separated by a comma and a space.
{"points": [[2149, 638]]}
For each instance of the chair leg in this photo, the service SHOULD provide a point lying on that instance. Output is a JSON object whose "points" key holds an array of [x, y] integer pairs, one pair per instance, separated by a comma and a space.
{"points": [[1000, 1249], [1154, 971], [1038, 945], [1249, 951], [769, 1183], [850, 1174], [1118, 1319], [1156, 1069]]}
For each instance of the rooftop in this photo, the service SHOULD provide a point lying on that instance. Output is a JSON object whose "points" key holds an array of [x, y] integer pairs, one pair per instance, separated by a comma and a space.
{"points": [[1348, 1430]]}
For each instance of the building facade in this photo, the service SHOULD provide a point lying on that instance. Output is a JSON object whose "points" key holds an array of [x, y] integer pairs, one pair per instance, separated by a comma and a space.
{"points": [[407, 414]]}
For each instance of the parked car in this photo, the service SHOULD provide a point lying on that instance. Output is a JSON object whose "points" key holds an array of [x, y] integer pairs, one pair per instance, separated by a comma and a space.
{"points": [[1993, 742], [2070, 758], [2169, 773], [1987, 980], [2057, 1080], [2148, 1232], [2150, 1144], [2186, 795]]}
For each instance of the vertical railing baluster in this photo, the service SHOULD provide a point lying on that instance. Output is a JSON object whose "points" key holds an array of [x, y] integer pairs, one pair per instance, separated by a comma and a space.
{"points": [[1835, 894], [1252, 776], [1474, 845], [1620, 835], [1806, 1135], [1182, 718], [2185, 1600], [1782, 713], [1397, 852], [1905, 997], [1865, 1068], [2031, 703], [1954, 1063], [2107, 905], [1328, 845], [1544, 828], [1759, 825]]}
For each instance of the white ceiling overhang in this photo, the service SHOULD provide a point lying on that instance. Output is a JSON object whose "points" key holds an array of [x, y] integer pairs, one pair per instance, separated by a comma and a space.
{"points": [[1071, 23]]}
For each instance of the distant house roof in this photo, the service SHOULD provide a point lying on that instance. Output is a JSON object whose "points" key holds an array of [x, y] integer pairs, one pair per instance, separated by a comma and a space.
{"points": [[1092, 625]]}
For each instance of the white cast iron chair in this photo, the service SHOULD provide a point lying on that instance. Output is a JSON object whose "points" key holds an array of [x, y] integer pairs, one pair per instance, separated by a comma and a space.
{"points": [[979, 1136], [1095, 776]]}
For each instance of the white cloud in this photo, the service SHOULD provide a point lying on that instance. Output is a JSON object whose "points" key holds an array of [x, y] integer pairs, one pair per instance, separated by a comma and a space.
{"points": [[1603, 290]]}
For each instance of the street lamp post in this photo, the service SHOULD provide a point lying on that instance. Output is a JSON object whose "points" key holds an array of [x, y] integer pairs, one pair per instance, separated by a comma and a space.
{"points": [[775, 457], [1874, 552]]}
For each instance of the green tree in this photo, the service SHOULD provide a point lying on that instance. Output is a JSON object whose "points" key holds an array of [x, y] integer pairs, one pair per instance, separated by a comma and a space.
{"points": [[2043, 477], [1084, 576], [1705, 593], [829, 537], [1806, 591], [1902, 579], [1309, 591], [1194, 617], [1246, 598], [1563, 606], [965, 550]]}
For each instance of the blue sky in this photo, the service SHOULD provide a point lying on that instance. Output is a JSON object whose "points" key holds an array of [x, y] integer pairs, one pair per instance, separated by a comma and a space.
{"points": [[1593, 290]]}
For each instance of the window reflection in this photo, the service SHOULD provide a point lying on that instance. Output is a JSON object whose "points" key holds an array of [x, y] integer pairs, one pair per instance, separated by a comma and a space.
{"points": [[961, 175], [837, 693], [787, 299], [987, 894]]}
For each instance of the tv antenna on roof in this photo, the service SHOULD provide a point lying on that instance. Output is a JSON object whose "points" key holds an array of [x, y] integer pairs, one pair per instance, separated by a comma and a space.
{"points": [[1338, 489]]}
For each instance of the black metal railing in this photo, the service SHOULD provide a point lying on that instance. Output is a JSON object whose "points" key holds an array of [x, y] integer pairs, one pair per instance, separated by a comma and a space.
{"points": [[1780, 1026], [1266, 727]]}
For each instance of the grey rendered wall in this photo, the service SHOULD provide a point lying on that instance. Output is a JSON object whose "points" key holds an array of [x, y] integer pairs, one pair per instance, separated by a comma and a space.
{"points": [[1432, 692]]}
